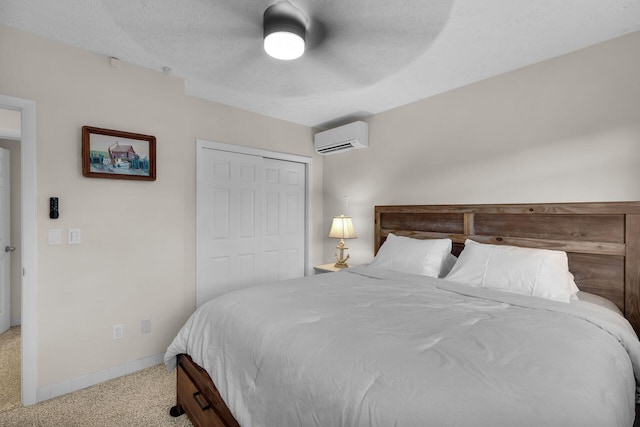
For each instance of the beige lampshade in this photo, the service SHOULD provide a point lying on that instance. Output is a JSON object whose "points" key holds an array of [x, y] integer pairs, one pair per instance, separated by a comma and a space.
{"points": [[342, 228]]}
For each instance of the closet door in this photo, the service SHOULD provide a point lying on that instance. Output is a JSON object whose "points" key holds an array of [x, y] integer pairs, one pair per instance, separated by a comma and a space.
{"points": [[229, 243], [250, 221], [284, 192]]}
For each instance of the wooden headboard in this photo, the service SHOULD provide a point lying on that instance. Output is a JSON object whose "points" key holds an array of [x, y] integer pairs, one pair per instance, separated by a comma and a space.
{"points": [[602, 240]]}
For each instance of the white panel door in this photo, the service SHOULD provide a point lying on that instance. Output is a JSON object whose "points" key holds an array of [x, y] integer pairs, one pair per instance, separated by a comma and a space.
{"points": [[284, 237], [229, 225], [5, 236], [251, 221]]}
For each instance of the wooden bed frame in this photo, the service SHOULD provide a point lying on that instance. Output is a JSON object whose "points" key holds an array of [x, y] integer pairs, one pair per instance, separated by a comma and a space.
{"points": [[602, 241]]}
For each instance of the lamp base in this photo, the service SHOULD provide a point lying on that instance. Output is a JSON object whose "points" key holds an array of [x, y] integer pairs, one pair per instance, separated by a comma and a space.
{"points": [[341, 265], [341, 260]]}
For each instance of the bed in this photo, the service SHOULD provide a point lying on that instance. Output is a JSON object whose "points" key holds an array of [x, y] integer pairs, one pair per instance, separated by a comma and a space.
{"points": [[369, 346]]}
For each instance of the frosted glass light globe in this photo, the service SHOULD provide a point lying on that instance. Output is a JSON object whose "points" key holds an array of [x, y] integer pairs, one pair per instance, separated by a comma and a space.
{"points": [[284, 45]]}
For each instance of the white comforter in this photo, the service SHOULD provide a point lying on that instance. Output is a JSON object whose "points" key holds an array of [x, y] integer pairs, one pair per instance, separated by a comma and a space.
{"points": [[366, 347]]}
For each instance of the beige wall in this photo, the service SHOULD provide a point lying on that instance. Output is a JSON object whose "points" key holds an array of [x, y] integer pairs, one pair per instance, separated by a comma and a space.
{"points": [[136, 260], [10, 123], [563, 130]]}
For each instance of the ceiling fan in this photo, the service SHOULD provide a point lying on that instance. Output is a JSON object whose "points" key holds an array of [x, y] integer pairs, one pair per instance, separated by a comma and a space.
{"points": [[347, 44]]}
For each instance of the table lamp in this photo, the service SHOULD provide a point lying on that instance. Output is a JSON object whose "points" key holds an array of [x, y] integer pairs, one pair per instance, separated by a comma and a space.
{"points": [[342, 228]]}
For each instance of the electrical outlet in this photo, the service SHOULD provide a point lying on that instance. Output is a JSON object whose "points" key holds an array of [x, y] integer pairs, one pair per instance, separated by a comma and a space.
{"points": [[145, 326], [118, 331]]}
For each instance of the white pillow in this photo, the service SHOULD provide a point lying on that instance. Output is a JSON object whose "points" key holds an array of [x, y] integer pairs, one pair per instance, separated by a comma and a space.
{"points": [[447, 265], [413, 256], [538, 272], [598, 300], [573, 288]]}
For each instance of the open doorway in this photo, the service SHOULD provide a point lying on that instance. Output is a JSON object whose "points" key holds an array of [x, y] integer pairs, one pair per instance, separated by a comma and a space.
{"points": [[27, 270], [10, 259]]}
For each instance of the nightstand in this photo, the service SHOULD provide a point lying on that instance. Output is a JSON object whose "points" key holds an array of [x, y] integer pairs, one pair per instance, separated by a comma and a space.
{"points": [[326, 268]]}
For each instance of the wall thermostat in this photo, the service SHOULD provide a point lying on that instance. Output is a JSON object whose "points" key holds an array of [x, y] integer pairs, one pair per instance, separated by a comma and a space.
{"points": [[53, 208]]}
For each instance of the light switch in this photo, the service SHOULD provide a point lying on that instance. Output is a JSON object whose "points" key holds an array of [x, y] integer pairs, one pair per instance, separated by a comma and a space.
{"points": [[55, 236], [74, 236]]}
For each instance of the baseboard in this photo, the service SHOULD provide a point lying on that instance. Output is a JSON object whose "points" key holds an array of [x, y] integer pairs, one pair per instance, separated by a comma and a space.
{"points": [[15, 321], [55, 390]]}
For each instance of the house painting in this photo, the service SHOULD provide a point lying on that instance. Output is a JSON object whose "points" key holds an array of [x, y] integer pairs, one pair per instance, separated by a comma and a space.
{"points": [[123, 152]]}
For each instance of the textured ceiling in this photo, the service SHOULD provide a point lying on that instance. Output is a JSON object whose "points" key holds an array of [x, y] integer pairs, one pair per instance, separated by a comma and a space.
{"points": [[363, 56]]}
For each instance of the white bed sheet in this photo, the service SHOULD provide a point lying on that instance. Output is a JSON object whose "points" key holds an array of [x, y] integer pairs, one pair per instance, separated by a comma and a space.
{"points": [[366, 347]]}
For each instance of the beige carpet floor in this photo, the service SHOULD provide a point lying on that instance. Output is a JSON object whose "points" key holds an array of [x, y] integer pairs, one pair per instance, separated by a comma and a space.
{"points": [[10, 369], [140, 399]]}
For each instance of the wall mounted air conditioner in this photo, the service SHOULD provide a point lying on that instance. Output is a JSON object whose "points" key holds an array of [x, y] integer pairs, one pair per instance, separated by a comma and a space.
{"points": [[348, 137]]}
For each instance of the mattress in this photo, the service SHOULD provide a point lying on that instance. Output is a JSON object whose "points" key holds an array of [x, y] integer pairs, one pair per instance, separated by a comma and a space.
{"points": [[367, 347]]}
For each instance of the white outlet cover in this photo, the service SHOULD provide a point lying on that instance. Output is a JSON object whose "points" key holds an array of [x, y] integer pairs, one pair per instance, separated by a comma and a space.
{"points": [[145, 326], [55, 236], [118, 331]]}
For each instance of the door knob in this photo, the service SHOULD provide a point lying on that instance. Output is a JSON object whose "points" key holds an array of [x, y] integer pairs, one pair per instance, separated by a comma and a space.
{"points": [[9, 249]]}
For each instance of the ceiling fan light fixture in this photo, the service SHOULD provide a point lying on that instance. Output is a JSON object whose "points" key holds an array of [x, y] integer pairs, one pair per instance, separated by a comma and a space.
{"points": [[284, 45], [284, 36]]}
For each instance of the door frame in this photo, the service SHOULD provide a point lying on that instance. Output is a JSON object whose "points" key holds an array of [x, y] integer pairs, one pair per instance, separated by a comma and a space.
{"points": [[29, 249], [6, 258], [239, 149]]}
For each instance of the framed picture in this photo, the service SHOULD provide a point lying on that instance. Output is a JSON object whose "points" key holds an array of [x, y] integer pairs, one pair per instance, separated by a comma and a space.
{"points": [[116, 154]]}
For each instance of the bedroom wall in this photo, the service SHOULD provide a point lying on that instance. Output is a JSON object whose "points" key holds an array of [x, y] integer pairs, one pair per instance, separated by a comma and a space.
{"points": [[564, 130], [9, 123], [136, 260]]}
